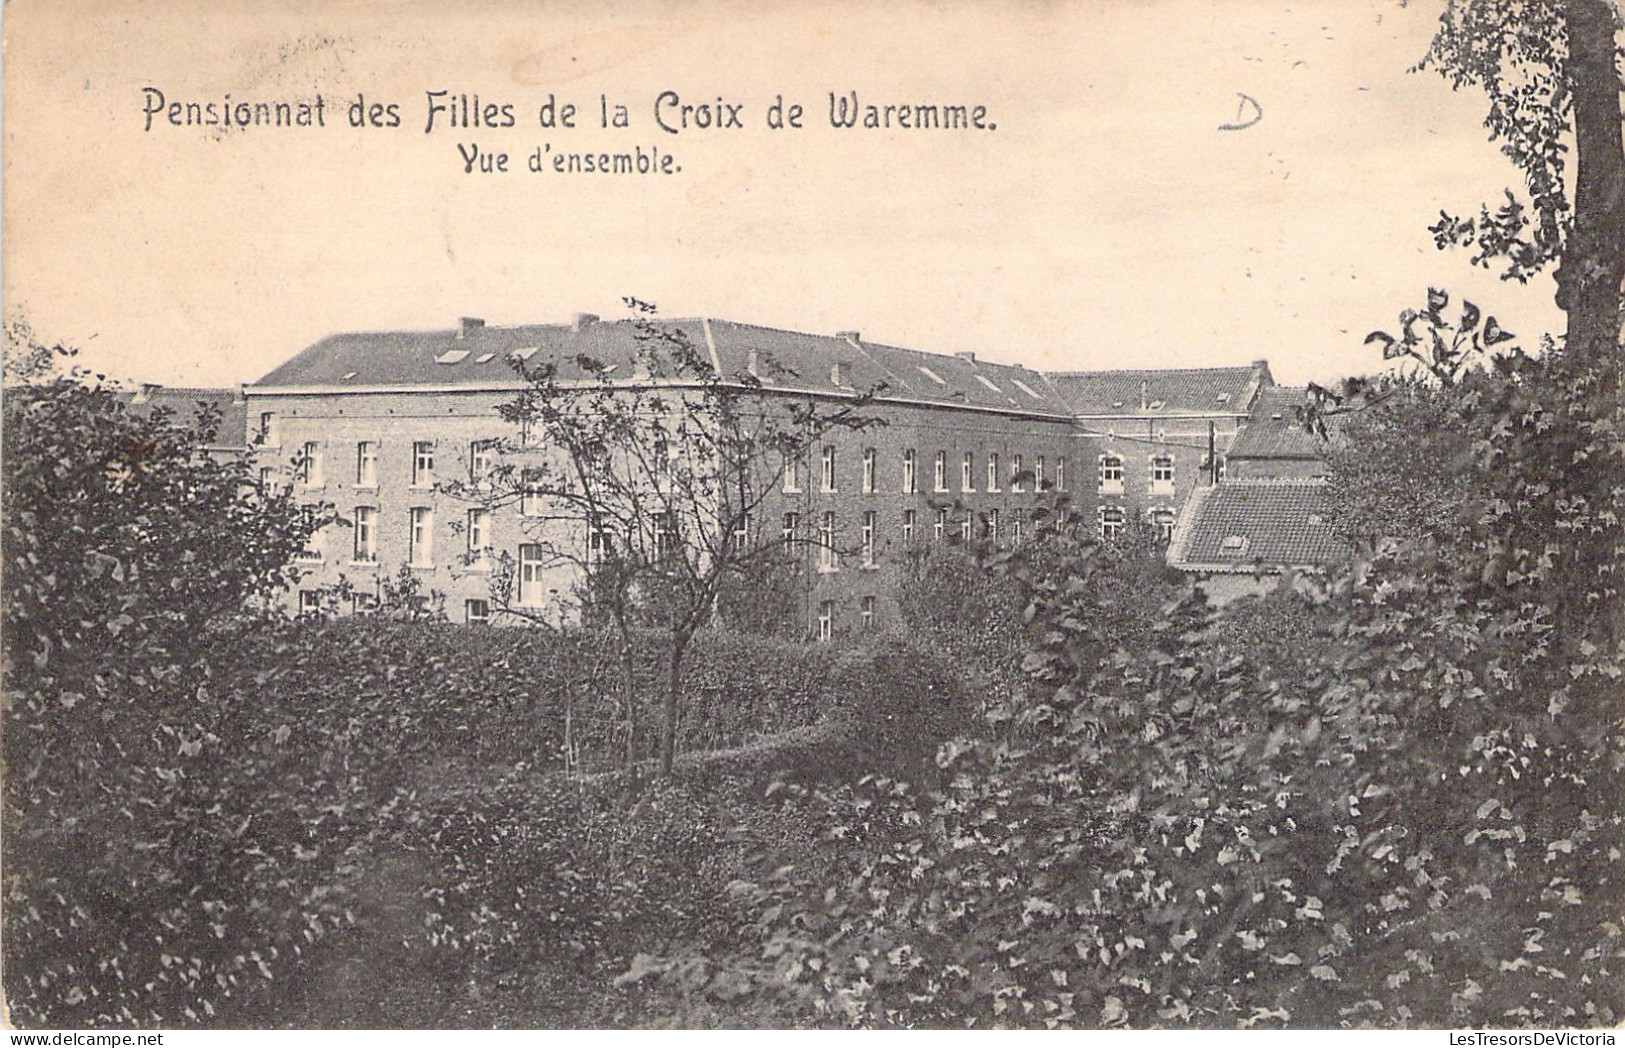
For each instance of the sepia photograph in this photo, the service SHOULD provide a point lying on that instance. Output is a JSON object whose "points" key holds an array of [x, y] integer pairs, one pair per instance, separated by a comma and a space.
{"points": [[690, 515]]}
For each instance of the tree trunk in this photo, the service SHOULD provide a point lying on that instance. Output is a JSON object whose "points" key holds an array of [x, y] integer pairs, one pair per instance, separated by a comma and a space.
{"points": [[674, 691], [1593, 266]]}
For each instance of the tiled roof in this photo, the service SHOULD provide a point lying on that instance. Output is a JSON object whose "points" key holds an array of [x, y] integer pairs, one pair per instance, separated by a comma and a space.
{"points": [[1245, 525], [477, 358], [1226, 391], [182, 403], [1273, 430]]}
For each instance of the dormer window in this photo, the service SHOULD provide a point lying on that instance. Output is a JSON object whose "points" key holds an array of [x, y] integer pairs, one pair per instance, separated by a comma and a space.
{"points": [[452, 356], [1234, 545]]}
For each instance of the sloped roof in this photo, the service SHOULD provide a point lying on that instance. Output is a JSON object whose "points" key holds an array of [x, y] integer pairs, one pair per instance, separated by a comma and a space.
{"points": [[1227, 391], [478, 358], [1273, 430], [1246, 525], [183, 402]]}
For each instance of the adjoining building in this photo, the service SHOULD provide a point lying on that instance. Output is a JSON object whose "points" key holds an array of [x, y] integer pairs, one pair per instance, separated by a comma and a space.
{"points": [[1270, 513], [1151, 437], [186, 405], [371, 422]]}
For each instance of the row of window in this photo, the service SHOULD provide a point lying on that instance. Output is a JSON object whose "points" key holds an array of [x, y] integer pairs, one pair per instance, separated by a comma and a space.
{"points": [[993, 526], [1019, 477], [867, 608], [1160, 473], [1113, 519], [309, 465], [419, 537]]}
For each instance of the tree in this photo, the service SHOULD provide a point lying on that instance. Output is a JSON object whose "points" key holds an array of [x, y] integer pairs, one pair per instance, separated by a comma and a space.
{"points": [[648, 481], [122, 534], [1550, 71], [128, 550]]}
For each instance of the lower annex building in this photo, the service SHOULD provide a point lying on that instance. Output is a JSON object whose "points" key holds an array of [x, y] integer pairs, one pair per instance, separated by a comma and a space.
{"points": [[374, 424]]}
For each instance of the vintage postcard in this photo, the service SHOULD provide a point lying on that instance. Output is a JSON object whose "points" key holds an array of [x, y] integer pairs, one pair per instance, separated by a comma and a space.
{"points": [[1077, 514]]}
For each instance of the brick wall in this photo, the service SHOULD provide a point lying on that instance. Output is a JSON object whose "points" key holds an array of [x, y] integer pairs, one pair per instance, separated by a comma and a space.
{"points": [[393, 423]]}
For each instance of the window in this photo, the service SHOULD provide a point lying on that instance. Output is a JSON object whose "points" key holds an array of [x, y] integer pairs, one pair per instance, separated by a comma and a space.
{"points": [[366, 535], [1060, 473], [741, 532], [479, 538], [828, 560], [1111, 474], [868, 613], [661, 456], [423, 463], [871, 520], [268, 482], [1111, 521], [530, 495], [967, 472], [476, 611], [1015, 528], [309, 465], [792, 475], [666, 535], [993, 525], [965, 527], [481, 457], [268, 430], [827, 476], [530, 575], [366, 464], [599, 546], [868, 471], [310, 602], [993, 471], [1163, 520], [908, 527], [1162, 474], [363, 603], [941, 471], [941, 527], [1219, 473], [420, 538], [910, 485], [312, 552], [1017, 481], [826, 620], [1038, 473], [790, 526]]}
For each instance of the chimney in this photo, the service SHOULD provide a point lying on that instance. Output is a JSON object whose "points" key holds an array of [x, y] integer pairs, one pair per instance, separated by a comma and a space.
{"points": [[966, 354], [466, 326], [581, 320], [851, 336], [1145, 389]]}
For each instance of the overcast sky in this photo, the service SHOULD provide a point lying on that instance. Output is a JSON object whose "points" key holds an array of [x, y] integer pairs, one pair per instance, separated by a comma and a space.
{"points": [[1108, 221]]}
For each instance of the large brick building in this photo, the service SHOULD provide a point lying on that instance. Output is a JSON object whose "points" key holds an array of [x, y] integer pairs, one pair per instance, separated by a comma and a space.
{"points": [[374, 423]]}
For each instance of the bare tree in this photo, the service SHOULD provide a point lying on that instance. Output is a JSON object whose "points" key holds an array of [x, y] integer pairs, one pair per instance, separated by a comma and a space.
{"points": [[651, 492]]}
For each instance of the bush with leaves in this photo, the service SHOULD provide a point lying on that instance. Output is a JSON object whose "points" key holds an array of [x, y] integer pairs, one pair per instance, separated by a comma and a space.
{"points": [[1403, 810]]}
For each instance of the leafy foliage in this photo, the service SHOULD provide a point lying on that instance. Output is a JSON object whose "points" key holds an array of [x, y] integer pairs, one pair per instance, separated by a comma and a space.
{"points": [[1391, 801]]}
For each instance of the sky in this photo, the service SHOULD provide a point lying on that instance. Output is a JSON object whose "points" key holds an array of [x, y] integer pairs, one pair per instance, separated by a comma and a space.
{"points": [[1105, 220]]}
